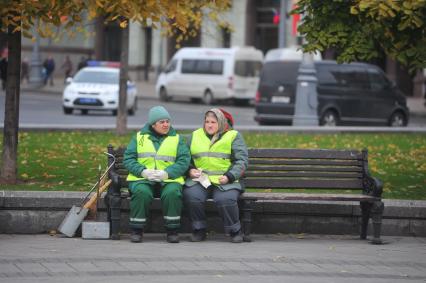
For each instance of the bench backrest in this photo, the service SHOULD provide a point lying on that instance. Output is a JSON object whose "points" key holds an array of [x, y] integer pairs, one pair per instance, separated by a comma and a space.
{"points": [[292, 168], [306, 168]]}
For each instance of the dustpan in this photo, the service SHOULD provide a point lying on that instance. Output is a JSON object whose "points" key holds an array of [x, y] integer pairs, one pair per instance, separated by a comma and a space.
{"points": [[73, 219]]}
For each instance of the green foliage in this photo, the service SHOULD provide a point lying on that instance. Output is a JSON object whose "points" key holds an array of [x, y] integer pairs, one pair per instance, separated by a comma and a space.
{"points": [[359, 29], [70, 160]]}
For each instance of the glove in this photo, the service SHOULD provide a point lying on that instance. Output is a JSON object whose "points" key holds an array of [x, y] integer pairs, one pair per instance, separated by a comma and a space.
{"points": [[148, 174], [160, 175], [203, 180]]}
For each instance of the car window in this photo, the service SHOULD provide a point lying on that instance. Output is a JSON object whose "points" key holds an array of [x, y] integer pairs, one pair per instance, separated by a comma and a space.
{"points": [[216, 67], [378, 81], [278, 73], [98, 77], [188, 66], [328, 75], [171, 66], [203, 66], [247, 68], [346, 76], [356, 78]]}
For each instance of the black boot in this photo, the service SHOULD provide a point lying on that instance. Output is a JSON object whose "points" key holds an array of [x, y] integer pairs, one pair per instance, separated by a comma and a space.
{"points": [[172, 236], [136, 235], [198, 235]]}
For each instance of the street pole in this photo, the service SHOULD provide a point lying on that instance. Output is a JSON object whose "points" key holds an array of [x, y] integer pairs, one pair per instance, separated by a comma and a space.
{"points": [[306, 105], [281, 28], [160, 53], [36, 78]]}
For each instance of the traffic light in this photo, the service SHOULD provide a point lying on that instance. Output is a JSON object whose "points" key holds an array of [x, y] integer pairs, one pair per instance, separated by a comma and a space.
{"points": [[276, 17]]}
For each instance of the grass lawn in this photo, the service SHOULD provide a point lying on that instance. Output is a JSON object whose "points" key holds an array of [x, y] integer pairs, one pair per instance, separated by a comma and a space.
{"points": [[70, 160]]}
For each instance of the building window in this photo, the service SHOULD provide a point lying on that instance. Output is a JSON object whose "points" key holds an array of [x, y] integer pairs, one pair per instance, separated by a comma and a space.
{"points": [[226, 38]]}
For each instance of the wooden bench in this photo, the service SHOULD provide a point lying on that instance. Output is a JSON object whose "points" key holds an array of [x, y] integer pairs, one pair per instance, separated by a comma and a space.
{"points": [[289, 169]]}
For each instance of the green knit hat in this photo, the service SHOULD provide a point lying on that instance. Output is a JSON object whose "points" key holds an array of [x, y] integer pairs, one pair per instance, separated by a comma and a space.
{"points": [[157, 113]]}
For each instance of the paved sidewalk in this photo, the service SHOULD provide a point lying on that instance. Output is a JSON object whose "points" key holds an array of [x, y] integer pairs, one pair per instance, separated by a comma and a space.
{"points": [[270, 258]]}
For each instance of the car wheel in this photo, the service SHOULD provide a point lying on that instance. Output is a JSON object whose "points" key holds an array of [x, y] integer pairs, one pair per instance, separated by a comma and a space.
{"points": [[114, 112], [68, 110], [163, 94], [195, 100], [329, 118], [208, 98], [84, 111], [397, 119]]}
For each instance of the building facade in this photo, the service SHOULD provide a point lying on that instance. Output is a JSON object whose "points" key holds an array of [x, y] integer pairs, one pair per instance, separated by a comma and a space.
{"points": [[251, 23]]}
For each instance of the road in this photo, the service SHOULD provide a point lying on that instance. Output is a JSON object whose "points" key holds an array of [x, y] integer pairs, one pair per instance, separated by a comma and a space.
{"points": [[46, 109]]}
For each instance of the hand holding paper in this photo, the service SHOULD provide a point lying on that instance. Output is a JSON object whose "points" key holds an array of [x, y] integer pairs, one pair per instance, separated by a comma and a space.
{"points": [[203, 180]]}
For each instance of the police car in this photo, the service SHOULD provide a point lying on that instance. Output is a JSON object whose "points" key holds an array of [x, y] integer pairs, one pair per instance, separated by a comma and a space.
{"points": [[96, 87]]}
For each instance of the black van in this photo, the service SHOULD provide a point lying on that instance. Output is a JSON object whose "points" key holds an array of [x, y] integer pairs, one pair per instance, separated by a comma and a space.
{"points": [[348, 94]]}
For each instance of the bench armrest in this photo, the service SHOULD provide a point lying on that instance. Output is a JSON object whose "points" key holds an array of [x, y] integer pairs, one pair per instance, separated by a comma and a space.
{"points": [[373, 186], [115, 183]]}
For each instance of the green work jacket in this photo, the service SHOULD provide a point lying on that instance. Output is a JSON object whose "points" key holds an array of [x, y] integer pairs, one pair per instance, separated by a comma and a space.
{"points": [[175, 169]]}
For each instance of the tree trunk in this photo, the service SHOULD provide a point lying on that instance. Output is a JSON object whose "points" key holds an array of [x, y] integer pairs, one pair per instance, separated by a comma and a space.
{"points": [[100, 38], [121, 128], [11, 109]]}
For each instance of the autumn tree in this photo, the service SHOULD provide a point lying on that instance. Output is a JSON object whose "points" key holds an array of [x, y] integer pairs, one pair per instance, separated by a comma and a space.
{"points": [[359, 29], [20, 17]]}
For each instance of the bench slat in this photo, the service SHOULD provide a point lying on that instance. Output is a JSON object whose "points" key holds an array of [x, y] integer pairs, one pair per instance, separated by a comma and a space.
{"points": [[305, 153], [304, 174], [303, 183], [304, 168], [302, 196], [257, 161], [122, 172]]}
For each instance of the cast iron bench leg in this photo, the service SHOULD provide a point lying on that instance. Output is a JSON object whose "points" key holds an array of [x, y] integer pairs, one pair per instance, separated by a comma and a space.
{"points": [[376, 217], [247, 218], [365, 209], [115, 206]]}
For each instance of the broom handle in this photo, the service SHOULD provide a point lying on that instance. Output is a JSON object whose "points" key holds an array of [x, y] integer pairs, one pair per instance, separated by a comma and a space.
{"points": [[93, 199], [102, 178]]}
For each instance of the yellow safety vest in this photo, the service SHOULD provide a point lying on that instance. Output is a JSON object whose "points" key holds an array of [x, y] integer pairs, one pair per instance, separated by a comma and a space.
{"points": [[214, 160], [152, 159]]}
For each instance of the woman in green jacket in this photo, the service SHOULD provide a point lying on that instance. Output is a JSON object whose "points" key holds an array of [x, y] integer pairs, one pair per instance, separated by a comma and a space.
{"points": [[157, 159], [219, 159]]}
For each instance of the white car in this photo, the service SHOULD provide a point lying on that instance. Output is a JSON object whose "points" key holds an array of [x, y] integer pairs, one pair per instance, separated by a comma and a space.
{"points": [[96, 88]]}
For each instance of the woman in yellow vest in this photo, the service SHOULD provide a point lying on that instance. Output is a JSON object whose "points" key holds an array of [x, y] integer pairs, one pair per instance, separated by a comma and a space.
{"points": [[219, 159], [157, 158]]}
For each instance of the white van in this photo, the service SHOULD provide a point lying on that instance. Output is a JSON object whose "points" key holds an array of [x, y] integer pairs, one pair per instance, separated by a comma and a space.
{"points": [[292, 53], [210, 74]]}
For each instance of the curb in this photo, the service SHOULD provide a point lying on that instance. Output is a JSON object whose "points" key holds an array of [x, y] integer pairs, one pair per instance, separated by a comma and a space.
{"points": [[282, 129], [32, 212]]}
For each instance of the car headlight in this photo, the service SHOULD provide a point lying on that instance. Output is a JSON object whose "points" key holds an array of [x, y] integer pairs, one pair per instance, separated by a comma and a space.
{"points": [[69, 92]]}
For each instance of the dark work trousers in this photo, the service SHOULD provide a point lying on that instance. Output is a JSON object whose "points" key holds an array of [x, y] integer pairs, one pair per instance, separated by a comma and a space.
{"points": [[141, 199], [226, 203]]}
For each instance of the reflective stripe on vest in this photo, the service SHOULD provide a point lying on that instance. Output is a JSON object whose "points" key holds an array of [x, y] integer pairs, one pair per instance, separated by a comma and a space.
{"points": [[214, 160], [161, 159]]}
